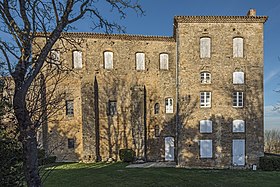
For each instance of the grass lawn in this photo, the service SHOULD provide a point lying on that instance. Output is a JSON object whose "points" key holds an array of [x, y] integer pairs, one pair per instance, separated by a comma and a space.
{"points": [[101, 174]]}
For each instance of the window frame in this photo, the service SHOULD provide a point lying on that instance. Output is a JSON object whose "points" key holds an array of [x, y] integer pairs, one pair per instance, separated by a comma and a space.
{"points": [[140, 67], [169, 109], [235, 47], [204, 126], [112, 108], [74, 53], [237, 129], [202, 46], [163, 65], [207, 154], [203, 77], [203, 95], [69, 110], [106, 66], [236, 100], [235, 79]]}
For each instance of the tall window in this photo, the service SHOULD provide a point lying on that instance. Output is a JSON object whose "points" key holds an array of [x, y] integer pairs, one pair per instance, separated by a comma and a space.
{"points": [[70, 108], [238, 77], [205, 99], [205, 126], [54, 56], [238, 47], [238, 99], [140, 61], [112, 108], [156, 108], [206, 149], [108, 60], [169, 105], [205, 47], [163, 61], [77, 59], [205, 77], [157, 131], [238, 126]]}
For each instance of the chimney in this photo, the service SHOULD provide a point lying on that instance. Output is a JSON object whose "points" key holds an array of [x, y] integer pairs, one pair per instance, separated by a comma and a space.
{"points": [[252, 13]]}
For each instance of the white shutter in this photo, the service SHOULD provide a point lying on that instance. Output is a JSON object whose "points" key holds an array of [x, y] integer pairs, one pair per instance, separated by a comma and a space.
{"points": [[77, 59], [238, 152], [108, 60], [140, 61], [206, 148], [238, 77], [205, 47], [163, 58], [238, 126], [237, 47], [169, 105], [205, 126]]}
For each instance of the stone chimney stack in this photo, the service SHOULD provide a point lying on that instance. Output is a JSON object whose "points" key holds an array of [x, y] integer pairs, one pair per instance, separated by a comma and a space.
{"points": [[252, 13]]}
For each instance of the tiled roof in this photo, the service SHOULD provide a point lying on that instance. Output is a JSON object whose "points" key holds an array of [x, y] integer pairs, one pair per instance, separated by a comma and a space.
{"points": [[220, 19]]}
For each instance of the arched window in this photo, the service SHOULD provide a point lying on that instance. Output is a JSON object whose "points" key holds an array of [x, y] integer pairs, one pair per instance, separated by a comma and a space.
{"points": [[163, 61], [77, 60], [156, 108], [238, 125], [205, 47], [205, 77], [108, 60], [238, 77], [238, 47]]}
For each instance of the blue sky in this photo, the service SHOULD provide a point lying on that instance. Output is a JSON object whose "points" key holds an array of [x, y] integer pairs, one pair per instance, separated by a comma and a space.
{"points": [[158, 20]]}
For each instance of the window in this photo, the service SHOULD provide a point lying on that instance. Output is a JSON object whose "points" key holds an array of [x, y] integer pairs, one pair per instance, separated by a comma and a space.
{"points": [[169, 105], [112, 108], [140, 61], [205, 47], [238, 47], [108, 60], [205, 126], [156, 108], [71, 143], [238, 77], [205, 99], [54, 56], [163, 61], [205, 77], [238, 99], [205, 148], [238, 126], [70, 108], [77, 60], [156, 131]]}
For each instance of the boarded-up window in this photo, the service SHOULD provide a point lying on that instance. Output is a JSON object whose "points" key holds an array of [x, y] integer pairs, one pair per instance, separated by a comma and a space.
{"points": [[205, 47], [206, 148], [205, 77], [238, 77], [238, 47], [169, 105], [140, 61], [108, 60], [54, 56], [77, 59], [205, 126], [238, 126], [163, 61]]}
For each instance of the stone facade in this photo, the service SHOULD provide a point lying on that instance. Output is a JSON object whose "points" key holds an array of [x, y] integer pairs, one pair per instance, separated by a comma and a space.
{"points": [[158, 110]]}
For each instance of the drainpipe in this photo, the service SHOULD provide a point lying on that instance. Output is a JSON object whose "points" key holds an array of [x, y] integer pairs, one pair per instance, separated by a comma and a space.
{"points": [[177, 94]]}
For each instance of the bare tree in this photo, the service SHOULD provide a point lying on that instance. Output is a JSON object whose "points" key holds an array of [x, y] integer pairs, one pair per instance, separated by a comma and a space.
{"points": [[21, 21], [272, 141]]}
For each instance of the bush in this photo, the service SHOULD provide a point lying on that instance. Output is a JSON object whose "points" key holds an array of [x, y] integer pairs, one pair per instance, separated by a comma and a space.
{"points": [[126, 155], [43, 160], [270, 163]]}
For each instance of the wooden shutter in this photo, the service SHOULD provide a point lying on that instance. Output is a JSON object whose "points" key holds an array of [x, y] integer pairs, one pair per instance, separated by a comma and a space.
{"points": [[108, 60], [163, 58], [205, 47], [140, 61], [77, 58]]}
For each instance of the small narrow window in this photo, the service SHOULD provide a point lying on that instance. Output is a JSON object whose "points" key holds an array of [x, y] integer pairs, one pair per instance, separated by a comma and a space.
{"points": [[205, 78], [157, 131], [169, 105], [205, 99], [70, 108], [206, 149], [71, 143], [112, 108], [54, 56], [238, 77], [238, 126], [205, 126], [237, 99], [140, 61], [163, 61], [77, 60], [156, 108], [205, 47], [108, 60], [238, 47]]}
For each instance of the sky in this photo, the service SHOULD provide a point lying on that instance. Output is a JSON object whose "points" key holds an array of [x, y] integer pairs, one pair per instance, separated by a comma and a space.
{"points": [[158, 20]]}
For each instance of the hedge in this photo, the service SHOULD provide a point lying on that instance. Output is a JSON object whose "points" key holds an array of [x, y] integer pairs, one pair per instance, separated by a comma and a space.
{"points": [[270, 163]]}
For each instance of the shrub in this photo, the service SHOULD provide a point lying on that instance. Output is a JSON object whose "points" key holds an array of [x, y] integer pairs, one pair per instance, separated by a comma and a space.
{"points": [[270, 163], [43, 160], [126, 155]]}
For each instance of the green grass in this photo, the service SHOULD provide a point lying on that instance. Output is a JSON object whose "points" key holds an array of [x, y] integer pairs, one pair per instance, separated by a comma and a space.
{"points": [[101, 174]]}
